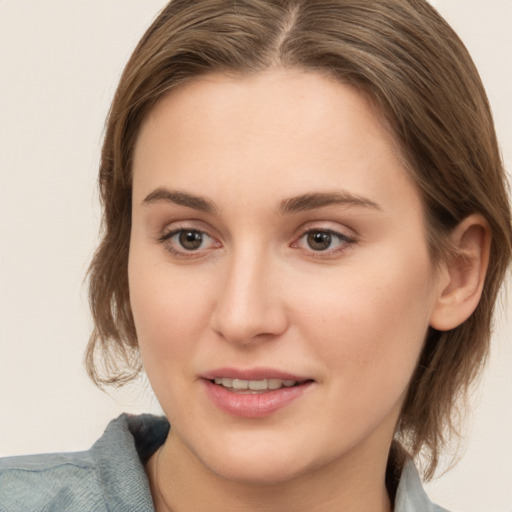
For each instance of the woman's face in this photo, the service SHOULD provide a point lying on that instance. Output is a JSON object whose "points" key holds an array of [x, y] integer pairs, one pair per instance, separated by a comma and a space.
{"points": [[278, 245]]}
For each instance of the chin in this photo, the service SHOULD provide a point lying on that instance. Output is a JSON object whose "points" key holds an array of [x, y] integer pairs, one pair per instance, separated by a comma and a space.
{"points": [[261, 462], [264, 472]]}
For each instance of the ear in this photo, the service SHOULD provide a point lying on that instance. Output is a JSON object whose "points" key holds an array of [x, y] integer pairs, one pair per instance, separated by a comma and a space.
{"points": [[463, 276]]}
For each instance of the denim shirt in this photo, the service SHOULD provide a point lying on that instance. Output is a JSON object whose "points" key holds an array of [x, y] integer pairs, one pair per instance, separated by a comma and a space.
{"points": [[110, 477]]}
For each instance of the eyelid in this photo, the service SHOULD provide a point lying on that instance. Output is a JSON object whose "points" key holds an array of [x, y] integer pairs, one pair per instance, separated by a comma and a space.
{"points": [[173, 226]]}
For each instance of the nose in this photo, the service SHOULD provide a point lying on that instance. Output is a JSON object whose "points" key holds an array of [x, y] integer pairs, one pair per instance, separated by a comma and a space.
{"points": [[250, 304]]}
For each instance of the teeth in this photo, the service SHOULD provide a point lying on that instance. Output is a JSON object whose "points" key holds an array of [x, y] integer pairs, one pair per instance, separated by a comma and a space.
{"points": [[224, 382], [240, 384], [274, 383], [254, 385], [258, 385]]}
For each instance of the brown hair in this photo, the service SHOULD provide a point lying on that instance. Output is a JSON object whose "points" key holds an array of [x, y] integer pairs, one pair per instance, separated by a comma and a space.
{"points": [[405, 57]]}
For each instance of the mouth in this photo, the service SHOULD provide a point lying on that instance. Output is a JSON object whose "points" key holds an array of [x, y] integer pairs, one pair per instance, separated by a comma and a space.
{"points": [[246, 386], [256, 392]]}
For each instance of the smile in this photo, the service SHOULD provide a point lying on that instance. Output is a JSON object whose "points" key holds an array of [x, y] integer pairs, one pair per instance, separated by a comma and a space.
{"points": [[254, 393], [254, 386]]}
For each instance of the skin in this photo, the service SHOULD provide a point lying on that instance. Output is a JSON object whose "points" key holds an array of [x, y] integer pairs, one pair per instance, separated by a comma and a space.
{"points": [[352, 318]]}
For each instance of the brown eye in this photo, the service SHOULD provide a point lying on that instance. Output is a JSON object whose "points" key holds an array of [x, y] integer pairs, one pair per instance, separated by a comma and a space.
{"points": [[190, 240], [324, 243], [189, 243], [319, 240]]}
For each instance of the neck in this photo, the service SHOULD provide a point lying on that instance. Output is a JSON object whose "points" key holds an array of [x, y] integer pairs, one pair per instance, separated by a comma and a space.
{"points": [[181, 483]]}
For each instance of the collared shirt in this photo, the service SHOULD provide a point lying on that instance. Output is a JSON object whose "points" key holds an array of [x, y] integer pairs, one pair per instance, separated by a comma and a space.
{"points": [[110, 477]]}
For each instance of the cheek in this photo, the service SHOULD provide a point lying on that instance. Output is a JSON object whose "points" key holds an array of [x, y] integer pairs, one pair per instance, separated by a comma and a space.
{"points": [[168, 328], [370, 325], [166, 318]]}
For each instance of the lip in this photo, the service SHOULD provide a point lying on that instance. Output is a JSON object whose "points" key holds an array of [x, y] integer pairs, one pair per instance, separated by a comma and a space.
{"points": [[253, 405], [258, 373]]}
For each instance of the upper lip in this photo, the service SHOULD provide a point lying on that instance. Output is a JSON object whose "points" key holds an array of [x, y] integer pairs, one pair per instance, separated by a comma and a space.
{"points": [[251, 374]]}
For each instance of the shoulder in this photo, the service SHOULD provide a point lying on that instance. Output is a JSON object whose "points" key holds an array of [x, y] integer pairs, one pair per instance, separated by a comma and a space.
{"points": [[110, 476], [50, 481]]}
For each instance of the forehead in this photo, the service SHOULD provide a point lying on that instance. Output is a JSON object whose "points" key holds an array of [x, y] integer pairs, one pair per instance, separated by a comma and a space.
{"points": [[275, 98], [301, 127]]}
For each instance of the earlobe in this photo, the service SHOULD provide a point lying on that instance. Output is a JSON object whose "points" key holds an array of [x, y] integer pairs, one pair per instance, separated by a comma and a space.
{"points": [[464, 273]]}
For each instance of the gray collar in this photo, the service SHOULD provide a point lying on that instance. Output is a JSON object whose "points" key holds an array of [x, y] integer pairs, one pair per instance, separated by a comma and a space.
{"points": [[410, 495]]}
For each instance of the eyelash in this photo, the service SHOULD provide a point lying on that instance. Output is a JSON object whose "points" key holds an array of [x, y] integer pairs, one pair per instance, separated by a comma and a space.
{"points": [[344, 241]]}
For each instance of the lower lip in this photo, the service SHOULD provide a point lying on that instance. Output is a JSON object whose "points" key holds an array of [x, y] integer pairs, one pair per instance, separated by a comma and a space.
{"points": [[253, 405]]}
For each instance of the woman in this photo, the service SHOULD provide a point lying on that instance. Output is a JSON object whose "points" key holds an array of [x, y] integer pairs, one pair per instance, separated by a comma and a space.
{"points": [[306, 226]]}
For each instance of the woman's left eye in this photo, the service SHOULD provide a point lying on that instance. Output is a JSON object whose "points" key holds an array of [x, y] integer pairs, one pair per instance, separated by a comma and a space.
{"points": [[323, 240]]}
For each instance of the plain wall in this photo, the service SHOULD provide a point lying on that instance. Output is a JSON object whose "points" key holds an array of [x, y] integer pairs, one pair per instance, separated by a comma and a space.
{"points": [[60, 61]]}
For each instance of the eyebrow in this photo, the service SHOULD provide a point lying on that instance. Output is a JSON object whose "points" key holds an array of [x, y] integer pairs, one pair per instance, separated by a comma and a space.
{"points": [[295, 204], [318, 200], [179, 198]]}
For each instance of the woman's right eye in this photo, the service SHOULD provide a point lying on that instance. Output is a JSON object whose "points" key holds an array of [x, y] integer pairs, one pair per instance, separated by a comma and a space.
{"points": [[187, 241]]}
